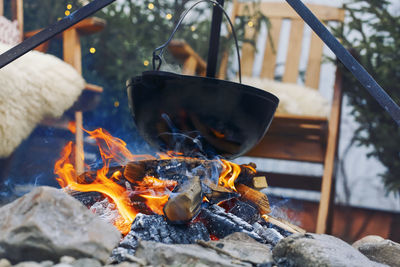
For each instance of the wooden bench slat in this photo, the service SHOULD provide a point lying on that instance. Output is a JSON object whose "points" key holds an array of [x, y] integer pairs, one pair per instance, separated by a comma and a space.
{"points": [[314, 62], [289, 149], [293, 181], [294, 51], [248, 53], [271, 49]]}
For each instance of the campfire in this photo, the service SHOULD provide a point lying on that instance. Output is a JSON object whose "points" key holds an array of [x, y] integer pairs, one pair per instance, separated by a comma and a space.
{"points": [[178, 190]]}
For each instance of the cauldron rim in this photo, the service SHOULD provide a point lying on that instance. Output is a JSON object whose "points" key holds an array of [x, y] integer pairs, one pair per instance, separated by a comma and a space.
{"points": [[262, 93]]}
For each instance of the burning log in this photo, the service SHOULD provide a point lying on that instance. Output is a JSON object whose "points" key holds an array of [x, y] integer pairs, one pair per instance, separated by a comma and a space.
{"points": [[220, 223], [186, 204], [216, 193], [168, 167], [257, 198]]}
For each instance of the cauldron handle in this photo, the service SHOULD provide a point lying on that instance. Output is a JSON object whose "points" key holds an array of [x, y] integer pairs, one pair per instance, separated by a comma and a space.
{"points": [[157, 57]]}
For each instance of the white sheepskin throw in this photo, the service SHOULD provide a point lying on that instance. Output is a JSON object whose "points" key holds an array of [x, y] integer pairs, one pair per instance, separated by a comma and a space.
{"points": [[294, 99], [33, 87]]}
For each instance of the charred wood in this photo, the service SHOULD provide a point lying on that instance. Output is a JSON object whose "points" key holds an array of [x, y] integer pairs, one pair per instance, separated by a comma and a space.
{"points": [[156, 228], [270, 235], [167, 168], [245, 211], [253, 196], [220, 223], [216, 193]]}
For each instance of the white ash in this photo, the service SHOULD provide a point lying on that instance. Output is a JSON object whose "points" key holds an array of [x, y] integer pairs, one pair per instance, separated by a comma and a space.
{"points": [[106, 211], [156, 228]]}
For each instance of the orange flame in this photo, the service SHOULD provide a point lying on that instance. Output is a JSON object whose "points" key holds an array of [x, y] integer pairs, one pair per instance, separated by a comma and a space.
{"points": [[72, 127], [114, 149], [229, 174], [153, 192]]}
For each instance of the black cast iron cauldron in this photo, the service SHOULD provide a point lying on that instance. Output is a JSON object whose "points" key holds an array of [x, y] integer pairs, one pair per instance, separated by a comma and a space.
{"points": [[199, 115]]}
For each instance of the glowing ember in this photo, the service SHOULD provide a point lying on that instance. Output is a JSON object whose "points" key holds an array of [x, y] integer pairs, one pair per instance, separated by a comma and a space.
{"points": [[150, 191]]}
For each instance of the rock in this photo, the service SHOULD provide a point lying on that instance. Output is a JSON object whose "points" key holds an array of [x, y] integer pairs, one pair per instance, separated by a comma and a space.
{"points": [[4, 263], [46, 224], [86, 262], [384, 251], [156, 228], [124, 264], [46, 263], [159, 254], [67, 259], [28, 264], [367, 239], [242, 246], [318, 250], [62, 265]]}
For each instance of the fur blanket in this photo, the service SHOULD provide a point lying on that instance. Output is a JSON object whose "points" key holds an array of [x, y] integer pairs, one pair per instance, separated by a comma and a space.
{"points": [[293, 99], [32, 88]]}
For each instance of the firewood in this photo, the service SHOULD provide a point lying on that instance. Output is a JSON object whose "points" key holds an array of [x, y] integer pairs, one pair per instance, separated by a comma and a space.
{"points": [[139, 169], [257, 198], [247, 173], [260, 182], [285, 225], [186, 204], [216, 192]]}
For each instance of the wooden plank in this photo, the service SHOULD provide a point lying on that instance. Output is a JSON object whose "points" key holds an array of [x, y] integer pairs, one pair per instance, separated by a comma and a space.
{"points": [[283, 10], [90, 25], [1, 7], [294, 181], [93, 88], [17, 8], [72, 49], [276, 147], [314, 62], [329, 161], [298, 119], [182, 51], [223, 67], [248, 52], [294, 51], [271, 49], [189, 66], [79, 152]]}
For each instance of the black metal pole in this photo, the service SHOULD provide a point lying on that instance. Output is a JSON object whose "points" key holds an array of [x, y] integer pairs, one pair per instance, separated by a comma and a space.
{"points": [[348, 60], [52, 30], [214, 40]]}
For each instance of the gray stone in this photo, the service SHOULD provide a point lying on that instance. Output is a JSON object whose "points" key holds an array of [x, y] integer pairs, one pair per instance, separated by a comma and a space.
{"points": [[46, 263], [46, 224], [242, 246], [318, 250], [86, 262], [367, 239], [124, 264], [4, 263], [62, 265], [384, 251], [28, 264], [159, 254], [67, 259]]}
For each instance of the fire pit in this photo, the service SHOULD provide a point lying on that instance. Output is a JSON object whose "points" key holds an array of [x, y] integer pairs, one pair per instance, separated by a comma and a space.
{"points": [[171, 198]]}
